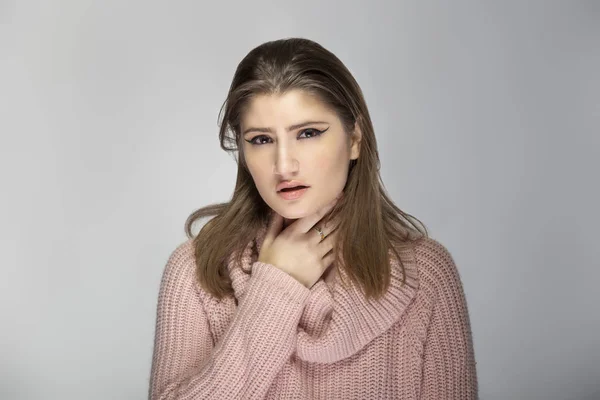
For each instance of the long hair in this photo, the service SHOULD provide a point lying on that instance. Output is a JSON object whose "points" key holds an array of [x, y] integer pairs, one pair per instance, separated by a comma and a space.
{"points": [[370, 223]]}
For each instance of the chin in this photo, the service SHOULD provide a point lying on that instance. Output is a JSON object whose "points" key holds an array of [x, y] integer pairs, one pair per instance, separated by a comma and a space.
{"points": [[295, 211], [291, 214]]}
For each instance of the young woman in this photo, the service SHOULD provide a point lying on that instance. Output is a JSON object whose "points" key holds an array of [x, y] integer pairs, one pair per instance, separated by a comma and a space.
{"points": [[309, 283]]}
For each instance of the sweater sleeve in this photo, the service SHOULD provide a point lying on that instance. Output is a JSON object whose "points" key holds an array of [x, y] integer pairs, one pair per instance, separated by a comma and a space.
{"points": [[252, 350], [449, 361]]}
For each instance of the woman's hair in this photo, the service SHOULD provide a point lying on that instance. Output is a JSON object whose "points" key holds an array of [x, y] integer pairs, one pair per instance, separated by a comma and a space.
{"points": [[370, 223]]}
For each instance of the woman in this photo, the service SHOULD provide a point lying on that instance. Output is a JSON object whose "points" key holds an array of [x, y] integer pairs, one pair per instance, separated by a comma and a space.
{"points": [[310, 283]]}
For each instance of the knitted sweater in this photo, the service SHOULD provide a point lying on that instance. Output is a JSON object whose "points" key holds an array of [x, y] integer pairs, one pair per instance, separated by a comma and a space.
{"points": [[277, 339]]}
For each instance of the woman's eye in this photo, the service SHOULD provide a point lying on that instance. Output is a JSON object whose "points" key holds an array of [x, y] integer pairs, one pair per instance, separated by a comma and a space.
{"points": [[313, 132], [257, 140], [262, 139]]}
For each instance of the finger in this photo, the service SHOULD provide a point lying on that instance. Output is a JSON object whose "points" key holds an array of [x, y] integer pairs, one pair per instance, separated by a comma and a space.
{"points": [[328, 229], [327, 244], [328, 260], [275, 225], [303, 225], [332, 225]]}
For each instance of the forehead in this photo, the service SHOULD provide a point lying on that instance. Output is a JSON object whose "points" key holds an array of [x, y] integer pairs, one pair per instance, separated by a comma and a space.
{"points": [[288, 107]]}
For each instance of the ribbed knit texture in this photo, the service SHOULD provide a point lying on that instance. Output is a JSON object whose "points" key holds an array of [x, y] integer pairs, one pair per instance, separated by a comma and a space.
{"points": [[276, 339]]}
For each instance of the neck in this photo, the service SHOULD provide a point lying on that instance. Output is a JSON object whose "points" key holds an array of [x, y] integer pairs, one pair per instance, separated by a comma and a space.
{"points": [[287, 222]]}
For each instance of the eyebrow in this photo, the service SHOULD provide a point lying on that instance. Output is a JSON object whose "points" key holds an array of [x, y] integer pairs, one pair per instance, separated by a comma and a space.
{"points": [[289, 128]]}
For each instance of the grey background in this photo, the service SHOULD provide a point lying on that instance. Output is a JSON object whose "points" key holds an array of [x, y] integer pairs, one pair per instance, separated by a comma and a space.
{"points": [[487, 116]]}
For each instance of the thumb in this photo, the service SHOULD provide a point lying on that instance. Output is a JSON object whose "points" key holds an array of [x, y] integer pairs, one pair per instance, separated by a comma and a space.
{"points": [[274, 229]]}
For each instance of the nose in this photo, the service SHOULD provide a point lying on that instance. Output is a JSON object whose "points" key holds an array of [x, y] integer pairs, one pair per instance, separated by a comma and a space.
{"points": [[286, 163]]}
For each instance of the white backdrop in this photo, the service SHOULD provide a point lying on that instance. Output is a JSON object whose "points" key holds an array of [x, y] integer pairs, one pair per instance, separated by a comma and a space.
{"points": [[487, 118]]}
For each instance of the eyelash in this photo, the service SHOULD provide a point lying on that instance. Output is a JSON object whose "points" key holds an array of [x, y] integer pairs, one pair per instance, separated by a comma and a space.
{"points": [[316, 134]]}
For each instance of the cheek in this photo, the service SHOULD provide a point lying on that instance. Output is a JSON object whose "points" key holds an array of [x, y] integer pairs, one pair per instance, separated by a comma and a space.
{"points": [[258, 170], [322, 163], [330, 159]]}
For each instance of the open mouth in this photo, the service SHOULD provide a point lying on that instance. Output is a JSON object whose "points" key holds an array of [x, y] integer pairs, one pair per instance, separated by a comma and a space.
{"points": [[293, 188], [293, 193]]}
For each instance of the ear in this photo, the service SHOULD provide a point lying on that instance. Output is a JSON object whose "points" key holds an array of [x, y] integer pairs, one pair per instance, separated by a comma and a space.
{"points": [[355, 140]]}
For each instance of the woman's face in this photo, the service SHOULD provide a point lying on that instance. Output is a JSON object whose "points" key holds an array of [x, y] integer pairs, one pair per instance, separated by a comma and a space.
{"points": [[295, 137]]}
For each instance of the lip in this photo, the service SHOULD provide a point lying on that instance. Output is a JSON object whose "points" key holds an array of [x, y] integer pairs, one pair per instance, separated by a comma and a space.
{"points": [[289, 184], [293, 195]]}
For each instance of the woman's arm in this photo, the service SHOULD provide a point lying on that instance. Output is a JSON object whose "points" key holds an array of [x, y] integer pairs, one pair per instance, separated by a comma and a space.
{"points": [[244, 363], [449, 362]]}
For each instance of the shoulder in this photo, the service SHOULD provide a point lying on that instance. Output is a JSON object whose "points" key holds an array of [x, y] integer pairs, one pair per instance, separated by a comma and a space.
{"points": [[179, 271], [182, 254], [438, 273]]}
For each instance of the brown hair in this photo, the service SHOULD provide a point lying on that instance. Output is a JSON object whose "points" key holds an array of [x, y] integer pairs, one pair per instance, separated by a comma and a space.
{"points": [[370, 223]]}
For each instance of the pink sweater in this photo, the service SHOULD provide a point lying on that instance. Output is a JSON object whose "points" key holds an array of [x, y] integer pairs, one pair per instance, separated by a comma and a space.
{"points": [[279, 340]]}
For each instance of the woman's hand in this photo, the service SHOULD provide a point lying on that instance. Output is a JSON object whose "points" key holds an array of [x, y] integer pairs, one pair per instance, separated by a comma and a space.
{"points": [[298, 249]]}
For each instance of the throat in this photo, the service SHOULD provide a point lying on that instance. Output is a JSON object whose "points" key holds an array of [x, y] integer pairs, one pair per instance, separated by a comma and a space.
{"points": [[287, 222]]}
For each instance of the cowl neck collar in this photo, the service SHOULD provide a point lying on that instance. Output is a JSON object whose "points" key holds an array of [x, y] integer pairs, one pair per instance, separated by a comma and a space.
{"points": [[338, 321]]}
